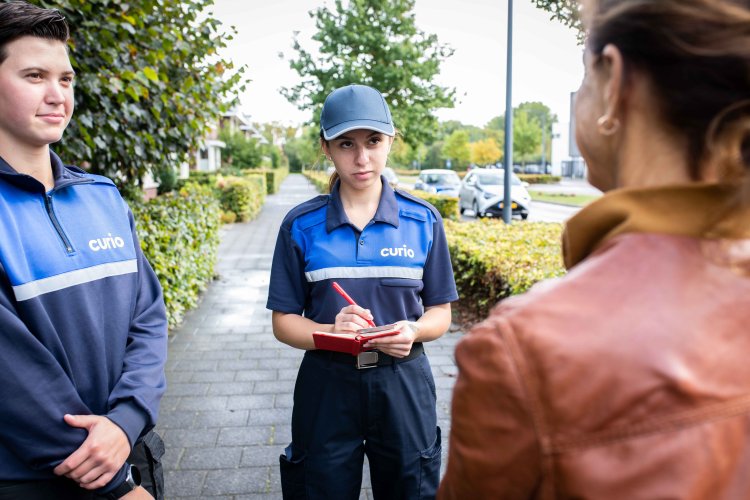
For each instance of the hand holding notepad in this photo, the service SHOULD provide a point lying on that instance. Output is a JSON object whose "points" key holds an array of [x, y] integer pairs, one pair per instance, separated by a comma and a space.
{"points": [[352, 343]]}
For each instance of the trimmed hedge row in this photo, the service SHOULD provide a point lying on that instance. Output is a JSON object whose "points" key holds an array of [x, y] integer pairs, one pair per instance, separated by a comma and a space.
{"points": [[179, 234], [241, 198], [446, 205], [539, 178], [274, 178], [319, 179], [493, 260]]}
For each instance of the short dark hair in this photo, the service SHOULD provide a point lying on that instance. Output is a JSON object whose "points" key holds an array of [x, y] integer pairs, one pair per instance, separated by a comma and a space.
{"points": [[18, 19]]}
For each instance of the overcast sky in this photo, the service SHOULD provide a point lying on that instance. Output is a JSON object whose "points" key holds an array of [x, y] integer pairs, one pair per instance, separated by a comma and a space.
{"points": [[546, 62]]}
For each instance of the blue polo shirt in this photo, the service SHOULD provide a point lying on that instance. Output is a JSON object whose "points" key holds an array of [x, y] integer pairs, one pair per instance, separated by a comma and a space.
{"points": [[397, 265]]}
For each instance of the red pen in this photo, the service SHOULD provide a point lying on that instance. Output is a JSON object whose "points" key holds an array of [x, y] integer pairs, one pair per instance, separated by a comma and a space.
{"points": [[341, 291]]}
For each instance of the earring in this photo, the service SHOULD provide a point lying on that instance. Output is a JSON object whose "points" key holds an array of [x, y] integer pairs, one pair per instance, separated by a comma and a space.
{"points": [[607, 125]]}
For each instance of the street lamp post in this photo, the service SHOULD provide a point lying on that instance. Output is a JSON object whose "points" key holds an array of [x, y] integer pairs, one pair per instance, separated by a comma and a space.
{"points": [[507, 212]]}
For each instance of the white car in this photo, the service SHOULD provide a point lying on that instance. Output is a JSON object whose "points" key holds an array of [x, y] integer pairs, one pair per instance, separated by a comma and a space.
{"points": [[438, 181], [482, 191]]}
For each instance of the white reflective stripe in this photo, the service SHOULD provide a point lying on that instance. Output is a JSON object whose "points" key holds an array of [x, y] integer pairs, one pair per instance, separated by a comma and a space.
{"points": [[364, 272], [79, 276]]}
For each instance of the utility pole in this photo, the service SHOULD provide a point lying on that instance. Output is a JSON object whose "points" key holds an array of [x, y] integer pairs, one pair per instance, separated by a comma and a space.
{"points": [[507, 211]]}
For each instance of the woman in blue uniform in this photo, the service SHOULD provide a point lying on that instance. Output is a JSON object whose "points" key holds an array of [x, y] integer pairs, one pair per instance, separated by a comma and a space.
{"points": [[387, 249]]}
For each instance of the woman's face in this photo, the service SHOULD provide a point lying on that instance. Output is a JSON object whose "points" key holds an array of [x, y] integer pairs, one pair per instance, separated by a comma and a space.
{"points": [[359, 156], [596, 148]]}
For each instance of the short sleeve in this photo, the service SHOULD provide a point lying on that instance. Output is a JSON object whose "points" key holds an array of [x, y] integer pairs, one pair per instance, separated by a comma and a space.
{"points": [[439, 283], [288, 289]]}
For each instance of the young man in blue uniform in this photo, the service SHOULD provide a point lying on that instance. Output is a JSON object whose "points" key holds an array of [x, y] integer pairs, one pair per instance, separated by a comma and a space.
{"points": [[82, 322], [387, 249]]}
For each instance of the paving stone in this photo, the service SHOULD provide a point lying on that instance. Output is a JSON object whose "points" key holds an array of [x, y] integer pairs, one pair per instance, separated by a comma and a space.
{"points": [[231, 388], [243, 436], [266, 374], [237, 481], [185, 438], [220, 418], [211, 458], [180, 483], [203, 403], [251, 402]]}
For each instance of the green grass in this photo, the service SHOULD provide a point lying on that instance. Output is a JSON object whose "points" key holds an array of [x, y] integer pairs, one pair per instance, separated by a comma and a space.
{"points": [[577, 200]]}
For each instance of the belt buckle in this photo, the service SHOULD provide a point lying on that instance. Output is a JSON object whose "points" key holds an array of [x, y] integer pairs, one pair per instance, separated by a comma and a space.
{"points": [[367, 359]]}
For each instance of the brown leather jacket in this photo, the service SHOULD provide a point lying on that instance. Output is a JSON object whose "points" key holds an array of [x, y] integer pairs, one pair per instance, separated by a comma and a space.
{"points": [[629, 378]]}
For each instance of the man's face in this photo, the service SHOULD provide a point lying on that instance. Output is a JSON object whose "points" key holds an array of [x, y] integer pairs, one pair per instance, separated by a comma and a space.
{"points": [[36, 93]]}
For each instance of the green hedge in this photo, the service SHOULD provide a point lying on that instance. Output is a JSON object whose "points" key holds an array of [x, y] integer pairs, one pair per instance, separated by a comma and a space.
{"points": [[241, 195], [179, 234], [493, 260], [274, 178], [318, 178], [446, 205], [539, 178]]}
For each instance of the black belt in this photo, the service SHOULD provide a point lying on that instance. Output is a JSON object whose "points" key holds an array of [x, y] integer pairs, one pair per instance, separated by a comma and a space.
{"points": [[368, 359]]}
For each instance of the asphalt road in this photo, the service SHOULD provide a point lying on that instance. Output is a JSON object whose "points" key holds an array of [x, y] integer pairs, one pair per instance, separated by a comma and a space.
{"points": [[540, 212]]}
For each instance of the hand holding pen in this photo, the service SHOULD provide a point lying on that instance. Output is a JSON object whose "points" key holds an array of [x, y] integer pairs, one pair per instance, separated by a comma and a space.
{"points": [[346, 296]]}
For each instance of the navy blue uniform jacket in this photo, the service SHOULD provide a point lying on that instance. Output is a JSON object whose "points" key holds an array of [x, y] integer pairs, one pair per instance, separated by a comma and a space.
{"points": [[82, 322]]}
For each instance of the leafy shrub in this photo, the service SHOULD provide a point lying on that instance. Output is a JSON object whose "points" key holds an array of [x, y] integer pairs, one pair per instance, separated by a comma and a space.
{"points": [[446, 205], [493, 260], [242, 195], [179, 234], [274, 178], [318, 178], [228, 217], [539, 178]]}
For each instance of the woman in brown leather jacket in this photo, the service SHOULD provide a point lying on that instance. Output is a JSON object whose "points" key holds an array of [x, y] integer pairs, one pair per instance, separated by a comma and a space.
{"points": [[630, 377]]}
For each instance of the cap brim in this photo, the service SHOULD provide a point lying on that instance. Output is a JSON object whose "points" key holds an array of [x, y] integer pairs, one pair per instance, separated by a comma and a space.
{"points": [[341, 128]]}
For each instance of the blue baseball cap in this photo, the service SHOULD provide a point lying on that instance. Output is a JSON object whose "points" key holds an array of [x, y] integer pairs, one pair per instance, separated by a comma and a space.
{"points": [[355, 107]]}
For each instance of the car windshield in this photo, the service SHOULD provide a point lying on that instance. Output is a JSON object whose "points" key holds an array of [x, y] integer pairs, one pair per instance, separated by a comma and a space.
{"points": [[450, 179], [497, 179]]}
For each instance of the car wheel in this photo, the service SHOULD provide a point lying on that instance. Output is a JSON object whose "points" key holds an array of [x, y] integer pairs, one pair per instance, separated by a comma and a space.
{"points": [[461, 209], [524, 216], [475, 207]]}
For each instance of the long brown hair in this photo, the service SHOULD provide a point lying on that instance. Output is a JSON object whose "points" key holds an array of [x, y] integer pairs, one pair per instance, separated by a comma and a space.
{"points": [[697, 55]]}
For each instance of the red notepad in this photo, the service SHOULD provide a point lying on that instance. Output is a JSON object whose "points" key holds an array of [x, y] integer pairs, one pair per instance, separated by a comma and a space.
{"points": [[352, 344]]}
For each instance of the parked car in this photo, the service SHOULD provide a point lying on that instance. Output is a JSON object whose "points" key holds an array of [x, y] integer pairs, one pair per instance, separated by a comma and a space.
{"points": [[438, 181], [391, 177], [482, 191]]}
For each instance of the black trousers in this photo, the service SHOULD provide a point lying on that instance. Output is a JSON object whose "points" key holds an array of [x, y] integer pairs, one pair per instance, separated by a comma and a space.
{"points": [[146, 455]]}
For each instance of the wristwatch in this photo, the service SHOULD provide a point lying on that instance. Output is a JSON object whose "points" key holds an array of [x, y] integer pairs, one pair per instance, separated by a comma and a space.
{"points": [[132, 481]]}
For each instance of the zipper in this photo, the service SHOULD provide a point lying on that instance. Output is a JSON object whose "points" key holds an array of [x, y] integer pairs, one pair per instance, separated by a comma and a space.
{"points": [[56, 224]]}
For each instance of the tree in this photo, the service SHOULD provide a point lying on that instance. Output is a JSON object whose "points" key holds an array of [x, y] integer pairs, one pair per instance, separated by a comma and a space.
{"points": [[566, 11], [527, 135], [239, 151], [302, 150], [148, 83], [375, 43], [485, 152], [541, 113], [457, 148]]}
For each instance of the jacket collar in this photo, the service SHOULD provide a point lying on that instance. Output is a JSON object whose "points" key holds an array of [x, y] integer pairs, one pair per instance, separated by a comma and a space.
{"points": [[387, 207], [701, 210], [63, 175]]}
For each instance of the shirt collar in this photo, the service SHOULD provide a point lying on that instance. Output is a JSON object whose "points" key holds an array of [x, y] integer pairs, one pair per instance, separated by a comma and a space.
{"points": [[387, 207], [60, 173], [702, 210]]}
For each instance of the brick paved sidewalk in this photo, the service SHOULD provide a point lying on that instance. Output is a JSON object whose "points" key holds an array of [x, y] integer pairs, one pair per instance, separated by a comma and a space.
{"points": [[227, 412]]}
